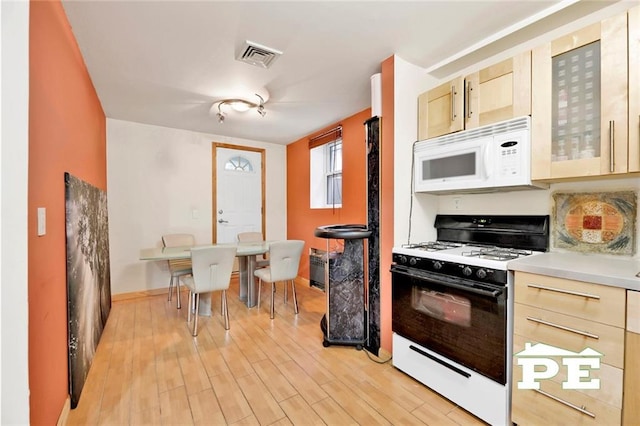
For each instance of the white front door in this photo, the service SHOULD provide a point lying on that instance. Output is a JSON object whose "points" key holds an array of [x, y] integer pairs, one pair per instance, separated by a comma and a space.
{"points": [[238, 202]]}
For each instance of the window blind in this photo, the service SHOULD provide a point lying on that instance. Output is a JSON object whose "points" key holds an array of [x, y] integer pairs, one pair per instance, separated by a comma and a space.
{"points": [[326, 137]]}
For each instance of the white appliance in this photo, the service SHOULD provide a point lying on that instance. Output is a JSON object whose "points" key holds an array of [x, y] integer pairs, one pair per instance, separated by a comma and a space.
{"points": [[486, 159], [452, 308]]}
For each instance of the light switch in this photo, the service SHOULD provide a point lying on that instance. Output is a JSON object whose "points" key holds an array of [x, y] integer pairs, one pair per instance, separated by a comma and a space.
{"points": [[195, 214], [42, 221]]}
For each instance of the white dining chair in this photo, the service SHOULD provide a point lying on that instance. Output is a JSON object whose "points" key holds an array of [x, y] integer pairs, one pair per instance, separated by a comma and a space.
{"points": [[284, 260], [212, 267], [178, 267], [248, 237]]}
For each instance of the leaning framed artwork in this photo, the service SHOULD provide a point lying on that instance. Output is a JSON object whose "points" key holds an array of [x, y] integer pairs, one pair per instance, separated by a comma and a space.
{"points": [[88, 276], [595, 222]]}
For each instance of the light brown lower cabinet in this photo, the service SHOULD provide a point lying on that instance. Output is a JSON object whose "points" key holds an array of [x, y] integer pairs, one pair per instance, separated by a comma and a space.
{"points": [[570, 316]]}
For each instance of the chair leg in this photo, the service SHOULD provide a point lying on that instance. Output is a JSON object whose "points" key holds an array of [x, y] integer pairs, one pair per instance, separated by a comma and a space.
{"points": [[285, 293], [195, 320], [170, 288], [225, 309], [259, 288], [273, 292], [189, 310], [178, 292], [295, 299]]}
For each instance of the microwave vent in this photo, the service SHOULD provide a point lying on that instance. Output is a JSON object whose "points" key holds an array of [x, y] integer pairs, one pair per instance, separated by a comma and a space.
{"points": [[508, 126]]}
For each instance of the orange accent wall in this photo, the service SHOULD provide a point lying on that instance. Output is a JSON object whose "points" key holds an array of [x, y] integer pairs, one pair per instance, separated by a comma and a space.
{"points": [[386, 198], [301, 219], [67, 133]]}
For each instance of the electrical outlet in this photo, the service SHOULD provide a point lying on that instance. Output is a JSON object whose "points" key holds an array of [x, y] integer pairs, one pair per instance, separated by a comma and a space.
{"points": [[42, 221], [457, 203]]}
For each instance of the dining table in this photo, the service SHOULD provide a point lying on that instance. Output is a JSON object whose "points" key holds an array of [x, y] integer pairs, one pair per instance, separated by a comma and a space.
{"points": [[246, 254]]}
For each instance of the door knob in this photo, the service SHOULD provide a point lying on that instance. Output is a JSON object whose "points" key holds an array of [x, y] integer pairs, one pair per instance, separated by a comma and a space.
{"points": [[222, 221]]}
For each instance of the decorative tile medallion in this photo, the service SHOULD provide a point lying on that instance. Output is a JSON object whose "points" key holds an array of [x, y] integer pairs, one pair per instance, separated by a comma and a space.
{"points": [[599, 222]]}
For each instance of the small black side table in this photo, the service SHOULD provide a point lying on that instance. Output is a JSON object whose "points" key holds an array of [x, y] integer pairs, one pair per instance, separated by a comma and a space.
{"points": [[345, 321]]}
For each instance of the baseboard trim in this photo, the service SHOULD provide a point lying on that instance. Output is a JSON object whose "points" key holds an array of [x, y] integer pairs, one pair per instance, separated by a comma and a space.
{"points": [[147, 293]]}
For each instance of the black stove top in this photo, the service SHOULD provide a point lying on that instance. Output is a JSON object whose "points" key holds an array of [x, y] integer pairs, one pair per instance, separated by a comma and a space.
{"points": [[476, 246]]}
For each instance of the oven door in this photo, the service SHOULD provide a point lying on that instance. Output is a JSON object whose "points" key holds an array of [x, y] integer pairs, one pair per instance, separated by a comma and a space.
{"points": [[460, 319]]}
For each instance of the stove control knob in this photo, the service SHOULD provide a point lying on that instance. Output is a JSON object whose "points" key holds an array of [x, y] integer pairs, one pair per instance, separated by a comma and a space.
{"points": [[413, 261], [467, 271], [402, 259], [437, 265], [481, 273]]}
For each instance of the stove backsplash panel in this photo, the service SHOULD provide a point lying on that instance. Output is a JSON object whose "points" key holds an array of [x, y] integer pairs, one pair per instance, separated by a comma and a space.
{"points": [[596, 222]]}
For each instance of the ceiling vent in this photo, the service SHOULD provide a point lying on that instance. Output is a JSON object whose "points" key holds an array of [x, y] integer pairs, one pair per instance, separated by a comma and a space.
{"points": [[258, 55]]}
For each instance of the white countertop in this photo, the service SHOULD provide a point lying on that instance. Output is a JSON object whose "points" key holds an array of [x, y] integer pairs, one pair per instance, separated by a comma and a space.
{"points": [[592, 268]]}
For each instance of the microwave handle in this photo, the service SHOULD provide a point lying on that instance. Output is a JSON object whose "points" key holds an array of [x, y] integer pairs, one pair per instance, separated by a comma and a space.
{"points": [[486, 160]]}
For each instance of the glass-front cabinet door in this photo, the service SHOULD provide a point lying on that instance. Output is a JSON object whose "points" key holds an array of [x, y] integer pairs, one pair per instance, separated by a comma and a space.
{"points": [[579, 103]]}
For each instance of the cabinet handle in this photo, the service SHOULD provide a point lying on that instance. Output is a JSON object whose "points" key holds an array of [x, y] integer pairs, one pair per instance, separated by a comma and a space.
{"points": [[611, 145], [582, 409], [565, 328], [560, 290], [453, 103], [468, 100]]}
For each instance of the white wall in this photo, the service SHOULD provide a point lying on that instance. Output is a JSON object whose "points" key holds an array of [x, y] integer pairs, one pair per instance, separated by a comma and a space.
{"points": [[156, 177], [419, 210], [409, 81], [14, 159]]}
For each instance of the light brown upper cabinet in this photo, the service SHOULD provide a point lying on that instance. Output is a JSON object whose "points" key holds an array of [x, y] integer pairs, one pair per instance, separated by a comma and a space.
{"points": [[496, 93], [579, 103], [441, 110], [634, 89]]}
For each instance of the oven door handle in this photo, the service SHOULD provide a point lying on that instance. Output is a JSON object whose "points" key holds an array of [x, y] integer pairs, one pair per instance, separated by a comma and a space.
{"points": [[447, 282], [440, 361]]}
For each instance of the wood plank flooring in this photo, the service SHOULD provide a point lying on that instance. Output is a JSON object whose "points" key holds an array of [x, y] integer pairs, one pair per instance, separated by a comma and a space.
{"points": [[149, 370]]}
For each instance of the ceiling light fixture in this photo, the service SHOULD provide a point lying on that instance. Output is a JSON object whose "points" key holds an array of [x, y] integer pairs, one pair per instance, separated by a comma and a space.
{"points": [[240, 105]]}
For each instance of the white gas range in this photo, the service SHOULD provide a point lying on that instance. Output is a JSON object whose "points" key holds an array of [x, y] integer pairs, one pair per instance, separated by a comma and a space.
{"points": [[452, 308]]}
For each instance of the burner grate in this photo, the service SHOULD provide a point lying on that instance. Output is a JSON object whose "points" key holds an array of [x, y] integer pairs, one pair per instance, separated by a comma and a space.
{"points": [[497, 253], [433, 245]]}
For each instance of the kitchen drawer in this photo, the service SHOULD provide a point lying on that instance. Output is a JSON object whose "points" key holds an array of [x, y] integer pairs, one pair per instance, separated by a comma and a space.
{"points": [[594, 302], [531, 407], [570, 333], [611, 378]]}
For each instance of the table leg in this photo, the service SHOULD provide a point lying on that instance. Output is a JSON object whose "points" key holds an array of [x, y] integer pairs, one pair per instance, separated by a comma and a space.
{"points": [[244, 269], [204, 305], [252, 287], [248, 286]]}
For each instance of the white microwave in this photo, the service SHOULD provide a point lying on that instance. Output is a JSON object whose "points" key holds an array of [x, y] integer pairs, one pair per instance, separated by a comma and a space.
{"points": [[495, 157]]}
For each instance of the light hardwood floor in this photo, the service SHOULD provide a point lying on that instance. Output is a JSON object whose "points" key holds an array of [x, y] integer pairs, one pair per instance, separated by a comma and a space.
{"points": [[148, 369]]}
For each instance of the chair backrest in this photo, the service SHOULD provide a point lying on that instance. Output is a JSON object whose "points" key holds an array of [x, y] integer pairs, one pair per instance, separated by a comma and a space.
{"points": [[247, 237], [212, 266], [177, 240], [284, 258]]}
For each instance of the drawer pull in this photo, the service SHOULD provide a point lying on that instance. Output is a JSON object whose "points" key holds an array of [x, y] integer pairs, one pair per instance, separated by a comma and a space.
{"points": [[560, 290], [562, 327], [582, 409]]}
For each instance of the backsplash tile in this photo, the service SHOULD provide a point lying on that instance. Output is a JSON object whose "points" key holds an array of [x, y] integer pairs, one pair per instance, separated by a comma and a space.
{"points": [[598, 222]]}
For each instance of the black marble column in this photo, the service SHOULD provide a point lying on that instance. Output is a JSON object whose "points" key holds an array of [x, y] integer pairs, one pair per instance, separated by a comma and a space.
{"points": [[373, 224], [346, 322]]}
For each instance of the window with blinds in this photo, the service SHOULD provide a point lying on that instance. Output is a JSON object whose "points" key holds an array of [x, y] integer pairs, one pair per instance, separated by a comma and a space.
{"points": [[326, 169]]}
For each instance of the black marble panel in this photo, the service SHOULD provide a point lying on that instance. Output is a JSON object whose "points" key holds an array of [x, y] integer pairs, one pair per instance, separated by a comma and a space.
{"points": [[346, 316], [373, 224]]}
